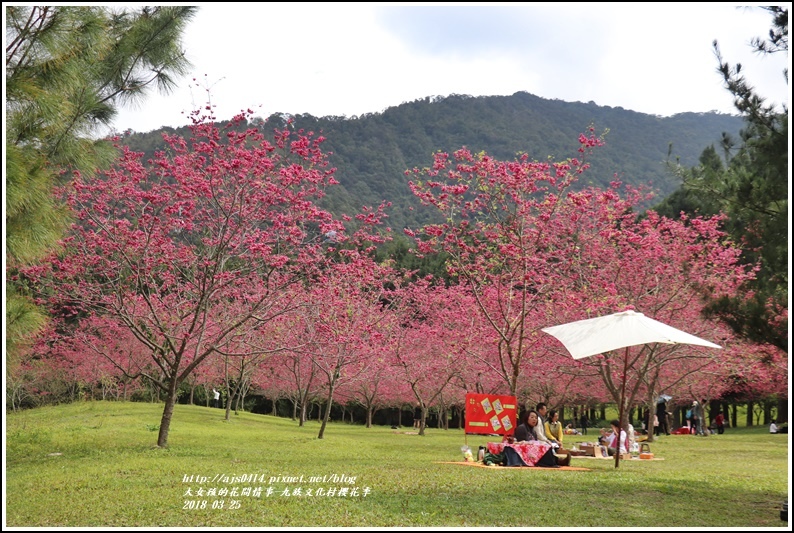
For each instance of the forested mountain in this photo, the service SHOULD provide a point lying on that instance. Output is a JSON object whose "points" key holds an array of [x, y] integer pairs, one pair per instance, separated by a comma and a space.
{"points": [[372, 151]]}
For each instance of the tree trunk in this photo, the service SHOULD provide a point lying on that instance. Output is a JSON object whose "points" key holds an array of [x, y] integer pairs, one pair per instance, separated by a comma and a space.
{"points": [[303, 415], [782, 410], [749, 414], [651, 410], [229, 398], [422, 420], [327, 411], [369, 416], [238, 402], [767, 413], [168, 412]]}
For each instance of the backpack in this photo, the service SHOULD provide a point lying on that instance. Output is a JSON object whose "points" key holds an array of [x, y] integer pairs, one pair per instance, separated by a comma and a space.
{"points": [[495, 459]]}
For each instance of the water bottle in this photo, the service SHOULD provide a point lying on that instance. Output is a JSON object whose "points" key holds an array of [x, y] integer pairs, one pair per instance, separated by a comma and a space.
{"points": [[635, 449]]}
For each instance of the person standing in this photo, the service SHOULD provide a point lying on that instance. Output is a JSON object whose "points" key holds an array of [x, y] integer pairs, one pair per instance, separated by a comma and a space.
{"points": [[583, 422], [661, 414], [719, 421], [701, 412], [216, 398], [692, 418]]}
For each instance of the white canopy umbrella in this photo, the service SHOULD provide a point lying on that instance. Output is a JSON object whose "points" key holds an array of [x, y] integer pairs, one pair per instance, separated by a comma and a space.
{"points": [[592, 336]]}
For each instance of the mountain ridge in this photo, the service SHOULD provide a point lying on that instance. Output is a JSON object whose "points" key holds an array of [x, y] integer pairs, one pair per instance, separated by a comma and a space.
{"points": [[372, 151]]}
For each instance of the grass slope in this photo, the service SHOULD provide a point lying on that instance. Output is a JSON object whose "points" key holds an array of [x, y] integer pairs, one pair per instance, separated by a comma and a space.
{"points": [[96, 464]]}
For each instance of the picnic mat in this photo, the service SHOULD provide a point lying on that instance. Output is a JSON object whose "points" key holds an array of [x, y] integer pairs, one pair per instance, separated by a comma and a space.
{"points": [[612, 458], [494, 467]]}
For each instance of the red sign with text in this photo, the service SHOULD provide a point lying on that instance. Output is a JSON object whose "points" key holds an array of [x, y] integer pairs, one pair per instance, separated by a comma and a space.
{"points": [[490, 414]]}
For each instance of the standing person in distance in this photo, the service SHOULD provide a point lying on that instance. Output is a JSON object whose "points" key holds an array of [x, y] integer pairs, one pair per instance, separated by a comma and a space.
{"points": [[583, 421], [700, 409], [661, 414], [719, 421]]}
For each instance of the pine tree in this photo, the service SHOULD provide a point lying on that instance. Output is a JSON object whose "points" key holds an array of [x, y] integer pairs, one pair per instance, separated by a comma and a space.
{"points": [[68, 69], [752, 188]]}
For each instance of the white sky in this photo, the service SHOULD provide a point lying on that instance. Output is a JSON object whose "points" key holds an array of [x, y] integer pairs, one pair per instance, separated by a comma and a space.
{"points": [[348, 59]]}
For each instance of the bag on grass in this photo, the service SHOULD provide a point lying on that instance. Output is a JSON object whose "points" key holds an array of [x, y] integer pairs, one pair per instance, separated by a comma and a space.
{"points": [[496, 459]]}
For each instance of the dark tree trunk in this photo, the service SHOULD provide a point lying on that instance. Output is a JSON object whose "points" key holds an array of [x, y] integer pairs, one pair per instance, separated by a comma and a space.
{"points": [[782, 410], [168, 413]]}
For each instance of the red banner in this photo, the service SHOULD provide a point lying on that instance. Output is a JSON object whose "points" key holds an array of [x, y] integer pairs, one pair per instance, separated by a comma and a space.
{"points": [[490, 414]]}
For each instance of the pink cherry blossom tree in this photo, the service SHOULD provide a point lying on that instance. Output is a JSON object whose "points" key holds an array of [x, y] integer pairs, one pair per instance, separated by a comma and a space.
{"points": [[166, 246], [344, 308], [498, 224], [426, 339]]}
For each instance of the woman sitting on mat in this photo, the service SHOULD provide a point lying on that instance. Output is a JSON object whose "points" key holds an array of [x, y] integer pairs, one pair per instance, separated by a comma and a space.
{"points": [[553, 427], [611, 439], [526, 432]]}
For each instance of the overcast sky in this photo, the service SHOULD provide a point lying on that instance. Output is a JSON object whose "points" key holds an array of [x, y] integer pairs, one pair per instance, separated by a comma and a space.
{"points": [[348, 59]]}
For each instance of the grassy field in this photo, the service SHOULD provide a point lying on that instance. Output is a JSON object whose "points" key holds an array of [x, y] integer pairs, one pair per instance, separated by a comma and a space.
{"points": [[96, 464]]}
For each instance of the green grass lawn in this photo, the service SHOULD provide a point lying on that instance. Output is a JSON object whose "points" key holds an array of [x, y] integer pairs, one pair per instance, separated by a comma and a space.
{"points": [[95, 464]]}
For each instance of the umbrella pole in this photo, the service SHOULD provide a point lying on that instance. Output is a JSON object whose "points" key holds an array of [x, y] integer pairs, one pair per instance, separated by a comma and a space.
{"points": [[618, 449]]}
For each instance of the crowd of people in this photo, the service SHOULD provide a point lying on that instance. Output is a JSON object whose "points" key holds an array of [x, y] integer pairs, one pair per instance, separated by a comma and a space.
{"points": [[543, 425]]}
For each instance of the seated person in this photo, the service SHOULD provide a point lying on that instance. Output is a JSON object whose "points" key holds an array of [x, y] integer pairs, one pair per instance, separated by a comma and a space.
{"points": [[632, 435], [553, 428], [540, 433], [773, 427], [610, 439], [527, 431], [570, 430]]}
